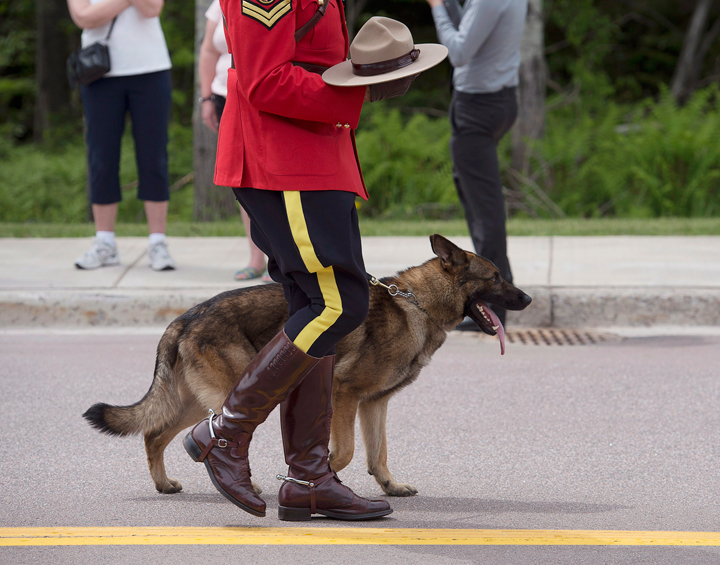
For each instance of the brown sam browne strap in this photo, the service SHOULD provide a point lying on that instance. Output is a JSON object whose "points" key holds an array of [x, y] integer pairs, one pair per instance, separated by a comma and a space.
{"points": [[319, 13], [372, 69], [299, 34]]}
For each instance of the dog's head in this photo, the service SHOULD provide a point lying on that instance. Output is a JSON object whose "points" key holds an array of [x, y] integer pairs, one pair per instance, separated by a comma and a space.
{"points": [[479, 285]]}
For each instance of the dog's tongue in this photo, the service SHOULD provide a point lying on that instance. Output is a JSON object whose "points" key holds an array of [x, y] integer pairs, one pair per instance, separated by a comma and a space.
{"points": [[496, 322]]}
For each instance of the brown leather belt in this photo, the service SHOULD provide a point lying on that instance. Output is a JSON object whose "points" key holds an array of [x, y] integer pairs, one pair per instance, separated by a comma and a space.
{"points": [[310, 67], [318, 69]]}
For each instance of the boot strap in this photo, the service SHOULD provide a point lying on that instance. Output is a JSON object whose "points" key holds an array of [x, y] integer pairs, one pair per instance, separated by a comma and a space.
{"points": [[310, 484], [222, 443]]}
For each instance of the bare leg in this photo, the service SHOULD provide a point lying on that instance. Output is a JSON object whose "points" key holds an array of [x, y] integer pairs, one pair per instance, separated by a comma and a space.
{"points": [[156, 213], [104, 216]]}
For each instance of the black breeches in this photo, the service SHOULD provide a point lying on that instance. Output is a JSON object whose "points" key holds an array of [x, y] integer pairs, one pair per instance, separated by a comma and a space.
{"points": [[312, 241]]}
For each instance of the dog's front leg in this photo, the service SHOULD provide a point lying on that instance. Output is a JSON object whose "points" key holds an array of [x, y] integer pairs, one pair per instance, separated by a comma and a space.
{"points": [[372, 421], [342, 430]]}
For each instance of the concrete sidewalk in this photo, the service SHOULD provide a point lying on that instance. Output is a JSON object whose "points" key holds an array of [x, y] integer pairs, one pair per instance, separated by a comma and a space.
{"points": [[575, 282]]}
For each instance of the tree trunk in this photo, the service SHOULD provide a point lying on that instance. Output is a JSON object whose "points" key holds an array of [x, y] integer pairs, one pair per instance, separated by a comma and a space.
{"points": [[53, 90], [530, 124], [210, 201], [684, 77]]}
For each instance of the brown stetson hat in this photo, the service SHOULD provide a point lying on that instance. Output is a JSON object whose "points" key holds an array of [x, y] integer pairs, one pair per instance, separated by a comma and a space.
{"points": [[383, 50]]}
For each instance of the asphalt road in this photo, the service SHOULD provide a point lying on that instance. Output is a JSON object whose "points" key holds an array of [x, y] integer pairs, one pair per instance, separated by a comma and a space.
{"points": [[618, 436]]}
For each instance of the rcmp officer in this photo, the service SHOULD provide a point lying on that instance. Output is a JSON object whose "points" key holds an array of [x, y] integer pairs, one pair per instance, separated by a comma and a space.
{"points": [[287, 145]]}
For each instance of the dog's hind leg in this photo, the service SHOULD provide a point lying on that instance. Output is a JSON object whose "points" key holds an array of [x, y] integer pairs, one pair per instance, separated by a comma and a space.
{"points": [[155, 443], [342, 430], [373, 414]]}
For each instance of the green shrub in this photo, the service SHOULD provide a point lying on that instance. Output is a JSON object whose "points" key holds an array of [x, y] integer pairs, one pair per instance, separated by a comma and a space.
{"points": [[42, 185], [650, 160], [405, 163], [656, 160]]}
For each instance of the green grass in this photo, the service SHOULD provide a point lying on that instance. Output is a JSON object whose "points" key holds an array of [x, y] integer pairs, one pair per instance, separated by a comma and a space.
{"points": [[374, 227]]}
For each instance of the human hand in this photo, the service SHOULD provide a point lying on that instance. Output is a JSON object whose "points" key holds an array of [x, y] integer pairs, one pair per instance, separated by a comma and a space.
{"points": [[209, 116], [391, 89], [433, 3]]}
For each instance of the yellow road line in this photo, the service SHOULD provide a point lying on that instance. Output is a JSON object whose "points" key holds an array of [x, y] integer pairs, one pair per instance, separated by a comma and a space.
{"points": [[344, 536]]}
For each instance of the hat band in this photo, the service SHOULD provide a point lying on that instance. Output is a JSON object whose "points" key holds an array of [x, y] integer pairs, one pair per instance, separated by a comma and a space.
{"points": [[373, 69]]}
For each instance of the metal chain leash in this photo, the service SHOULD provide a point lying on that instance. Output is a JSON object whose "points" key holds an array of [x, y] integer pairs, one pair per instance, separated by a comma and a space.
{"points": [[393, 290]]}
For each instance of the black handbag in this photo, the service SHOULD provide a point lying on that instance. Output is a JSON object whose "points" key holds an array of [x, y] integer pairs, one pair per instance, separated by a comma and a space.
{"points": [[89, 63]]}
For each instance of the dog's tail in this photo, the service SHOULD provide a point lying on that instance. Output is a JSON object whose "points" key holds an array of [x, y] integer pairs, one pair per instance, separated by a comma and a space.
{"points": [[158, 405]]}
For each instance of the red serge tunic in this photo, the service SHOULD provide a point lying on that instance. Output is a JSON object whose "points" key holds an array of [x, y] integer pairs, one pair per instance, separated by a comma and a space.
{"points": [[283, 128]]}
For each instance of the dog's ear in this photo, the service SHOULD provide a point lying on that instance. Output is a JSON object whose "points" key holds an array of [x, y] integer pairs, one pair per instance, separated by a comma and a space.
{"points": [[449, 253]]}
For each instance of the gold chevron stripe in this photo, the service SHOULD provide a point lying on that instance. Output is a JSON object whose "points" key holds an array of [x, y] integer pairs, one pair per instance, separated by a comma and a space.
{"points": [[267, 18]]}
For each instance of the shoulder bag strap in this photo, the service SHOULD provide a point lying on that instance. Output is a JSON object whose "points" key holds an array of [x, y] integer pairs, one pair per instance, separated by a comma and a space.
{"points": [[112, 25]]}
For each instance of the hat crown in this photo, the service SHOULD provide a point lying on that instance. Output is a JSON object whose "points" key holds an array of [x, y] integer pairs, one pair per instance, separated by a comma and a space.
{"points": [[380, 39]]}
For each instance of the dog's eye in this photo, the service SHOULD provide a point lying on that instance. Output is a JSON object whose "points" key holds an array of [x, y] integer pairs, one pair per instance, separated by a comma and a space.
{"points": [[496, 278]]}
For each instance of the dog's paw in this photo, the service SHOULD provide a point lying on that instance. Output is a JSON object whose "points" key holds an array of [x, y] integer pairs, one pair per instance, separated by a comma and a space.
{"points": [[170, 487], [256, 488], [399, 489]]}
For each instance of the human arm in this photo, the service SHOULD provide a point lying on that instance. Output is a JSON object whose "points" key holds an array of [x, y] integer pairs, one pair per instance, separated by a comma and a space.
{"points": [[478, 20], [264, 50], [88, 16], [206, 70], [148, 8], [455, 11]]}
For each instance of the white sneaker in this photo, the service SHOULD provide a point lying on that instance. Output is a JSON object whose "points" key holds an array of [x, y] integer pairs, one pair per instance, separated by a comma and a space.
{"points": [[159, 257], [101, 254]]}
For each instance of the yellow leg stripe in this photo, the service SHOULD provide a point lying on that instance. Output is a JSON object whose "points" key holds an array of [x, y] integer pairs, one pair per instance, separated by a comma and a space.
{"points": [[326, 276], [346, 536]]}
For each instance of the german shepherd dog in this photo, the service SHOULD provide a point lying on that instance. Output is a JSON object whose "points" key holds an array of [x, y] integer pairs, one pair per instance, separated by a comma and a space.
{"points": [[202, 353]]}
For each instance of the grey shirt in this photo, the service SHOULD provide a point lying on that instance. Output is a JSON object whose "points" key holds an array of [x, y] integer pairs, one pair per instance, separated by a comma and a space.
{"points": [[483, 38]]}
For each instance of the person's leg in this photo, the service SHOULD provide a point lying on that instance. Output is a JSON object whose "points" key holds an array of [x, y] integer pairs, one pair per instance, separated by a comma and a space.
{"points": [[156, 213], [256, 265], [314, 246], [325, 229], [149, 105], [475, 121], [104, 216], [104, 103], [317, 246]]}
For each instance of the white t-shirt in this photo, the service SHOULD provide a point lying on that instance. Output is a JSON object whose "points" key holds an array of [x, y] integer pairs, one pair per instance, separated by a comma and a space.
{"points": [[137, 44], [219, 83]]}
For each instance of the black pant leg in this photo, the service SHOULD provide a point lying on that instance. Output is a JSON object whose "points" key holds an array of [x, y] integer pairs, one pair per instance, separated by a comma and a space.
{"points": [[314, 239], [478, 123]]}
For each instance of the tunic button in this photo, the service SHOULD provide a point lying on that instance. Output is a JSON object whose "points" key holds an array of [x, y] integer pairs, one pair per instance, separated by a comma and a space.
{"points": [[338, 125], [346, 126]]}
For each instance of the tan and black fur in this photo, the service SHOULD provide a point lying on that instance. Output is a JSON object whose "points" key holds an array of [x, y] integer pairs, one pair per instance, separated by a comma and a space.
{"points": [[203, 352]]}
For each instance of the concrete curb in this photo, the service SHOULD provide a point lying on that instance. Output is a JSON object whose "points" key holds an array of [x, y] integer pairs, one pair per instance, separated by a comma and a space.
{"points": [[562, 307]]}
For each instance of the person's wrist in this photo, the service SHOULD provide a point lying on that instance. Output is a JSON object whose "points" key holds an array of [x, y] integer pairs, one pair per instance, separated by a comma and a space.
{"points": [[204, 99]]}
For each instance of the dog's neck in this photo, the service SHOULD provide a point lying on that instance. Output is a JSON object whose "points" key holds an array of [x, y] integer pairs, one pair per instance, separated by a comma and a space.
{"points": [[433, 297]]}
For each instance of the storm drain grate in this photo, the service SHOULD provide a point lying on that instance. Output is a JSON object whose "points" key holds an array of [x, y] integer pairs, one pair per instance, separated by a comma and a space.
{"points": [[555, 336]]}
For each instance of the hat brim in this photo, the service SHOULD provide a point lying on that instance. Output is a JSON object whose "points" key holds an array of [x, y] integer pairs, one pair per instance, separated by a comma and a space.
{"points": [[342, 74]]}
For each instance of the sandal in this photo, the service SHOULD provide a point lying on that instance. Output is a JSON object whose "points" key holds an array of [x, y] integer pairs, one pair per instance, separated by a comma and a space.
{"points": [[266, 278], [248, 273]]}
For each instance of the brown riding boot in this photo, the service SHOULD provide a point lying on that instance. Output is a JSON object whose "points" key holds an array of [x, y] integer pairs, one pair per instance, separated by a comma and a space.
{"points": [[311, 487], [222, 440]]}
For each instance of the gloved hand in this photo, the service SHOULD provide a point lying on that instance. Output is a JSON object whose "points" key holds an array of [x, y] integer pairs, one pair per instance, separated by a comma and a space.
{"points": [[391, 89]]}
